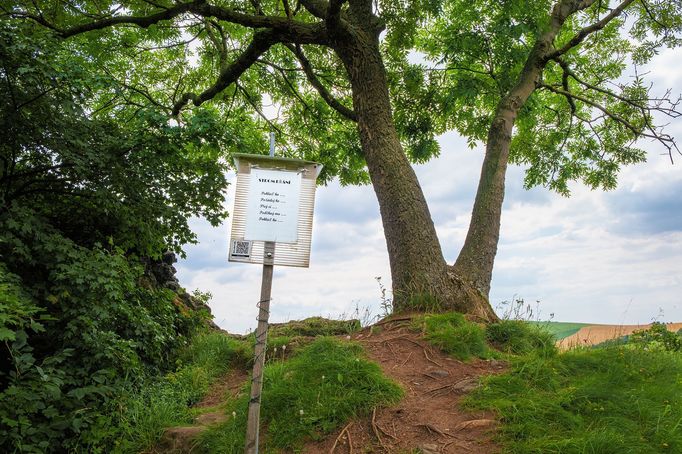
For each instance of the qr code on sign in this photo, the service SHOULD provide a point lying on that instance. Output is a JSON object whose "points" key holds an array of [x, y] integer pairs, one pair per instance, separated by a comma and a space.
{"points": [[241, 248]]}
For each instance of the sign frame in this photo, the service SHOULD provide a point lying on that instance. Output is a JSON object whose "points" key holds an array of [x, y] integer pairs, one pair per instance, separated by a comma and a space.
{"points": [[295, 253]]}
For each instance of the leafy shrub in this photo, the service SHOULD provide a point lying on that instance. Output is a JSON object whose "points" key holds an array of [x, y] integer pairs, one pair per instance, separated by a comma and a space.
{"points": [[99, 334], [519, 337], [320, 388], [656, 338], [454, 334], [83, 199]]}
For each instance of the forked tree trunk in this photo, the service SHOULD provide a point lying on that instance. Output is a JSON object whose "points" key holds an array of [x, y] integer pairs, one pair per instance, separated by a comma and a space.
{"points": [[476, 259], [415, 255]]}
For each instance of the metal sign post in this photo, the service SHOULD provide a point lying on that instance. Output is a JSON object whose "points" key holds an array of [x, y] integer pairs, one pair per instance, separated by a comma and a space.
{"points": [[273, 211], [253, 423], [260, 349]]}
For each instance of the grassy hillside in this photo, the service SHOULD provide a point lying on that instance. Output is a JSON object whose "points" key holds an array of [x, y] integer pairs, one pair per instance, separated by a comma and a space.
{"points": [[619, 398]]}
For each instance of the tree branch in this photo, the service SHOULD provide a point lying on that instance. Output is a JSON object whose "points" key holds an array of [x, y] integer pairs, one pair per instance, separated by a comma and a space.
{"points": [[317, 8], [664, 139], [595, 27], [219, 43], [290, 30], [321, 89], [261, 43], [283, 73], [140, 21], [334, 12], [260, 113], [641, 105]]}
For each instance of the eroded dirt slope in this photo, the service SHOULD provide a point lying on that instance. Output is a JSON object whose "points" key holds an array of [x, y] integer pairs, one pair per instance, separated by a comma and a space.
{"points": [[429, 417]]}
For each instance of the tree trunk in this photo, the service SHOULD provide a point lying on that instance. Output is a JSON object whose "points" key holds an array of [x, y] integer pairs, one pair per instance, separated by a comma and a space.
{"points": [[476, 259], [416, 259]]}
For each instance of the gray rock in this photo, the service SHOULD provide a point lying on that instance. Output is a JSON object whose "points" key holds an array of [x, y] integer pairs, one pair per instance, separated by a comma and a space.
{"points": [[440, 373], [466, 385], [429, 448]]}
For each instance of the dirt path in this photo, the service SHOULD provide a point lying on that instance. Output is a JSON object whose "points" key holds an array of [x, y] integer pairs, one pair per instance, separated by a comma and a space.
{"points": [[429, 417], [181, 440], [596, 334]]}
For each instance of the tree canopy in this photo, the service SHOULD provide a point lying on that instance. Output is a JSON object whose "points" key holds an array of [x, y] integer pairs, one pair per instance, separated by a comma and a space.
{"points": [[449, 63], [591, 110], [364, 87]]}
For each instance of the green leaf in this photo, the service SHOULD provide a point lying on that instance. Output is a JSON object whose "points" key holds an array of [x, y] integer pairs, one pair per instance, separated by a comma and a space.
{"points": [[7, 334]]}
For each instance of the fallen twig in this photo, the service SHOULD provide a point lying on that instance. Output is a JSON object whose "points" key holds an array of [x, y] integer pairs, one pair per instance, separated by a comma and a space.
{"points": [[438, 388], [385, 432], [391, 348], [446, 445], [344, 430], [350, 441], [429, 359], [435, 429], [376, 431], [406, 360], [429, 375]]}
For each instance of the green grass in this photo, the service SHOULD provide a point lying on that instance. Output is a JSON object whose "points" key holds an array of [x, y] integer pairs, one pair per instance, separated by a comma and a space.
{"points": [[519, 337], [611, 400], [313, 326], [621, 399], [142, 416], [320, 388], [560, 330], [453, 334]]}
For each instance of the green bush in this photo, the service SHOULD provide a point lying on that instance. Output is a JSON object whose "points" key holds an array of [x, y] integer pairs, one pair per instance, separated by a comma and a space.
{"points": [[99, 334], [453, 334], [320, 388], [519, 337], [85, 201], [656, 338]]}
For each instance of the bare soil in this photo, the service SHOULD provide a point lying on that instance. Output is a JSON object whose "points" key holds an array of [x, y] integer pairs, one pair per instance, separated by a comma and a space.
{"points": [[429, 417], [596, 334], [224, 388]]}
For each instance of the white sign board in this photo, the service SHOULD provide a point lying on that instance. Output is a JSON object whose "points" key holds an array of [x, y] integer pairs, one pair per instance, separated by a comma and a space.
{"points": [[273, 205]]}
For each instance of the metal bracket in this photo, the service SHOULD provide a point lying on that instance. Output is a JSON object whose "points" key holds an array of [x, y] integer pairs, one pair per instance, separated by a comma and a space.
{"points": [[269, 253]]}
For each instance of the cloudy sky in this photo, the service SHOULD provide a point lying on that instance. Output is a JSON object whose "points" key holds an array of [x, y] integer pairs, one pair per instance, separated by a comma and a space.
{"points": [[600, 257]]}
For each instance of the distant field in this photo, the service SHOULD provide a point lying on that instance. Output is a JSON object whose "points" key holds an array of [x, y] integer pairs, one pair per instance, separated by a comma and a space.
{"points": [[561, 330]]}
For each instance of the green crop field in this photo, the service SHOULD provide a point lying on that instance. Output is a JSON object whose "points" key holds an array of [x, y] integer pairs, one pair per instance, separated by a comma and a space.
{"points": [[561, 330]]}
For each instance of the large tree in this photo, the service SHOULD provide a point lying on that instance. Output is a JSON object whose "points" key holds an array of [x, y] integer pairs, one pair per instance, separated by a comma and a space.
{"points": [[540, 83]]}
